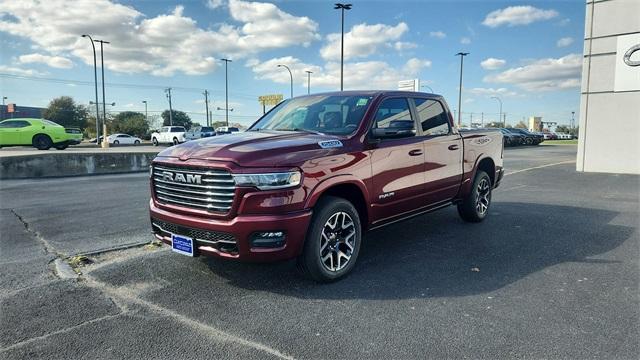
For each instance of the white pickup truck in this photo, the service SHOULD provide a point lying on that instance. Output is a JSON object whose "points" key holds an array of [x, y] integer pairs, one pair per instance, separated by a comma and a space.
{"points": [[168, 135]]}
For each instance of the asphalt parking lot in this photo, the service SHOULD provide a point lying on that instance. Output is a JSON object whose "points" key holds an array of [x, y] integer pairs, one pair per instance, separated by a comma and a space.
{"points": [[552, 273]]}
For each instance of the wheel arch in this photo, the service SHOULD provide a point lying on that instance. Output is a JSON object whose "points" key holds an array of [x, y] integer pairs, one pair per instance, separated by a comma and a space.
{"points": [[348, 188]]}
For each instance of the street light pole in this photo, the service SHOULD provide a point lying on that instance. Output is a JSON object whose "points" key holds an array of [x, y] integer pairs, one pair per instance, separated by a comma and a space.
{"points": [[504, 121], [146, 113], [168, 91], [290, 75], [206, 105], [573, 120], [462, 55], [95, 78], [104, 100], [342, 7], [308, 81], [226, 90], [3, 99]]}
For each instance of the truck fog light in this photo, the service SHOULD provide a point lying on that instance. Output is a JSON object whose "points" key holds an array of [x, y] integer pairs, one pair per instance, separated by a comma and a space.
{"points": [[268, 239]]}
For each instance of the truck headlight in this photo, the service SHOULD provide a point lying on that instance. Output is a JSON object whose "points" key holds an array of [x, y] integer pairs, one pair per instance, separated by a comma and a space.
{"points": [[269, 181]]}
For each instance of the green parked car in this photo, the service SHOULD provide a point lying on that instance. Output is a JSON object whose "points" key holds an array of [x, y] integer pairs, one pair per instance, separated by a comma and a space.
{"points": [[39, 133]]}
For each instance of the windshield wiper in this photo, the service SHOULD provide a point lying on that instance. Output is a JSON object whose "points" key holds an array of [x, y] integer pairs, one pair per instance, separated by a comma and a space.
{"points": [[301, 130]]}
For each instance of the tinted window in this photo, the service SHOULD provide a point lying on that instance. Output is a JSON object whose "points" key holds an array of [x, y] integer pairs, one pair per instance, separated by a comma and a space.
{"points": [[206, 129], [14, 124], [394, 113], [433, 118], [234, 129], [177, 129]]}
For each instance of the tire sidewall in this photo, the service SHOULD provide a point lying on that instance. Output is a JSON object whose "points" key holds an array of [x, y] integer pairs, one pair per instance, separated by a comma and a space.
{"points": [[328, 208], [479, 176], [42, 142]]}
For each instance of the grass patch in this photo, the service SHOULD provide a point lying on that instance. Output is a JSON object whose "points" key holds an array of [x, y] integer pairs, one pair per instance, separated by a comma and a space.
{"points": [[560, 142]]}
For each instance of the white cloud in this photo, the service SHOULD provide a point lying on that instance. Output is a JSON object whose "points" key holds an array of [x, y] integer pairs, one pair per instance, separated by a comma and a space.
{"points": [[58, 62], [517, 15], [438, 34], [488, 92], [543, 75], [20, 71], [492, 63], [564, 42], [140, 44], [401, 45], [214, 4], [362, 41], [465, 41], [357, 75]]}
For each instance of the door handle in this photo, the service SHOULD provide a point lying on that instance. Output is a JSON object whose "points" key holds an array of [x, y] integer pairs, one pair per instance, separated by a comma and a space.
{"points": [[453, 147], [415, 152]]}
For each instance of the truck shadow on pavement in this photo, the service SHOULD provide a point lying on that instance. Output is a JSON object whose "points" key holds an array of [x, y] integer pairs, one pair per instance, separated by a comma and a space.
{"points": [[438, 255]]}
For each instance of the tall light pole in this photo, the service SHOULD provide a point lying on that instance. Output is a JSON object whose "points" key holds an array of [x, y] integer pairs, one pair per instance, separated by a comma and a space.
{"points": [[290, 75], [504, 125], [206, 104], [95, 78], [573, 120], [308, 81], [168, 91], [226, 90], [342, 7], [146, 113], [462, 55], [3, 99], [104, 100]]}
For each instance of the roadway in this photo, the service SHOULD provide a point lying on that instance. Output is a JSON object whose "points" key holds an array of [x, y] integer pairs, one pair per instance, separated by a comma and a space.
{"points": [[552, 273]]}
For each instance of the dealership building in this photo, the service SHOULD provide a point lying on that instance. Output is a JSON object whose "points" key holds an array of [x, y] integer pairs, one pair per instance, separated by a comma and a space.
{"points": [[609, 138]]}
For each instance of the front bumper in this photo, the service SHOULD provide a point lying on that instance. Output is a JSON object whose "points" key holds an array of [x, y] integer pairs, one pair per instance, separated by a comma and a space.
{"points": [[220, 234]]}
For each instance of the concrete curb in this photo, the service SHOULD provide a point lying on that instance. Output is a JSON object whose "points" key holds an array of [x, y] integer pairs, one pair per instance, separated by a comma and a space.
{"points": [[73, 164]]}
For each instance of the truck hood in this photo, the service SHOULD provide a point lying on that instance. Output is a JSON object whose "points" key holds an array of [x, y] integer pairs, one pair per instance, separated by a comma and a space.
{"points": [[258, 148]]}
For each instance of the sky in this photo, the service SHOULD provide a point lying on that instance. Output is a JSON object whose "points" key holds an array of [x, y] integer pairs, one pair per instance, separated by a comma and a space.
{"points": [[528, 53]]}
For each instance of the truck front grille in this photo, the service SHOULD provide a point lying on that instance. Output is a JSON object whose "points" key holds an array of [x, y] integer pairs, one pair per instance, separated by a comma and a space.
{"points": [[222, 241], [202, 189]]}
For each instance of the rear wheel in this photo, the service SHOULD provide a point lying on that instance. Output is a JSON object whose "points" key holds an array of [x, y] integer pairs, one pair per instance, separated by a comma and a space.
{"points": [[116, 142], [333, 241], [175, 141], [475, 207], [154, 141], [42, 142], [137, 142]]}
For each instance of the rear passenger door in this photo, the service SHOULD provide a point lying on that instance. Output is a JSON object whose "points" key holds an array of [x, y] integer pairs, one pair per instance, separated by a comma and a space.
{"points": [[443, 151], [397, 164]]}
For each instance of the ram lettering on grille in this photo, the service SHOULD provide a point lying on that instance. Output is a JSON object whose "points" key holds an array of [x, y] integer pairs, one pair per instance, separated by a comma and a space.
{"points": [[183, 178]]}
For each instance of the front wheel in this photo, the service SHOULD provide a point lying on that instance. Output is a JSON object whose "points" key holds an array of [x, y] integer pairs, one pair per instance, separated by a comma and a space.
{"points": [[116, 142], [475, 207], [333, 241], [175, 141], [137, 142], [154, 141]]}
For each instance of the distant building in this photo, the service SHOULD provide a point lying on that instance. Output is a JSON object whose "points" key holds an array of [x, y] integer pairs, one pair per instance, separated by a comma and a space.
{"points": [[535, 123], [20, 112], [609, 136]]}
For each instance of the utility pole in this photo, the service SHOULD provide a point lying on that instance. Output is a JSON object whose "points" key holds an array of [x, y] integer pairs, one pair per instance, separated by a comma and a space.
{"points": [[462, 55], [504, 124], [146, 113], [471, 120], [342, 7], [168, 91], [482, 119], [226, 90], [308, 81], [95, 78], [206, 104], [573, 120]]}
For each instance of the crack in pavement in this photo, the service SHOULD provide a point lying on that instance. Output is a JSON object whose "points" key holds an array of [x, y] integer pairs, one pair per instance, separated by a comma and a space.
{"points": [[47, 247]]}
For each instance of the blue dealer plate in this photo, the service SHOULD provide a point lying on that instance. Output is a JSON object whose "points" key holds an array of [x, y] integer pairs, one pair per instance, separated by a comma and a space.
{"points": [[182, 244]]}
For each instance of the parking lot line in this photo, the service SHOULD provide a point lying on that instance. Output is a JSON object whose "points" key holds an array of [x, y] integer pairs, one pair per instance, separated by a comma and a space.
{"points": [[540, 167]]}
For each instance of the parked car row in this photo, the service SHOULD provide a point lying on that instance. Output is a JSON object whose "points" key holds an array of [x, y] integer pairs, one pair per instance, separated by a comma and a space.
{"points": [[178, 134], [517, 137], [558, 136]]}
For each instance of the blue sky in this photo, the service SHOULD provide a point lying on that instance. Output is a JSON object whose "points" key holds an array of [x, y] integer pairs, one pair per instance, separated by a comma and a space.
{"points": [[528, 53]]}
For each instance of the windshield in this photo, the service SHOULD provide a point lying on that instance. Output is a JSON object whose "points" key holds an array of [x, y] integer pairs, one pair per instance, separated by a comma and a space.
{"points": [[338, 115]]}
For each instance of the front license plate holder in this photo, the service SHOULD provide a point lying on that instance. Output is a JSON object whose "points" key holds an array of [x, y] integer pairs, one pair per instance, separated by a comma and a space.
{"points": [[182, 245]]}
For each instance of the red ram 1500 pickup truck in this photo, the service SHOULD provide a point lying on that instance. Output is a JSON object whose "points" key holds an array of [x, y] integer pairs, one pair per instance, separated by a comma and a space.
{"points": [[309, 177]]}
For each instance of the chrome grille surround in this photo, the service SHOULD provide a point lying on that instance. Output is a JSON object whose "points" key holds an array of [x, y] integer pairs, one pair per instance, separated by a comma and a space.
{"points": [[201, 189]]}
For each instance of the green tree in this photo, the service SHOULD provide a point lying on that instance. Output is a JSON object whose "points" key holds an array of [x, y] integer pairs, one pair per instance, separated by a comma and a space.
{"points": [[129, 122], [66, 112], [180, 118], [521, 125]]}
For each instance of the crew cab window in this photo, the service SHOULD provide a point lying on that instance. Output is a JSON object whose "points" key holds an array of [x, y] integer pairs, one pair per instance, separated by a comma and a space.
{"points": [[394, 113], [177, 129], [163, 130], [433, 118]]}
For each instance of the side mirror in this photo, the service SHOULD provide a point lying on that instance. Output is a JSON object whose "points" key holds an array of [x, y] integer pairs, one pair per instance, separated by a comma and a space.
{"points": [[392, 133]]}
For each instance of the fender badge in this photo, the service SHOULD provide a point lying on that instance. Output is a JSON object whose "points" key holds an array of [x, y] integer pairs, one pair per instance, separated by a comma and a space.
{"points": [[328, 144]]}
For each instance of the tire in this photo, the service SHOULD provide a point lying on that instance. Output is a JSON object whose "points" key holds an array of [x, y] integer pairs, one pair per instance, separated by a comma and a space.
{"points": [[475, 207], [62, 146], [116, 142], [175, 141], [154, 141], [137, 142], [322, 240], [42, 142]]}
